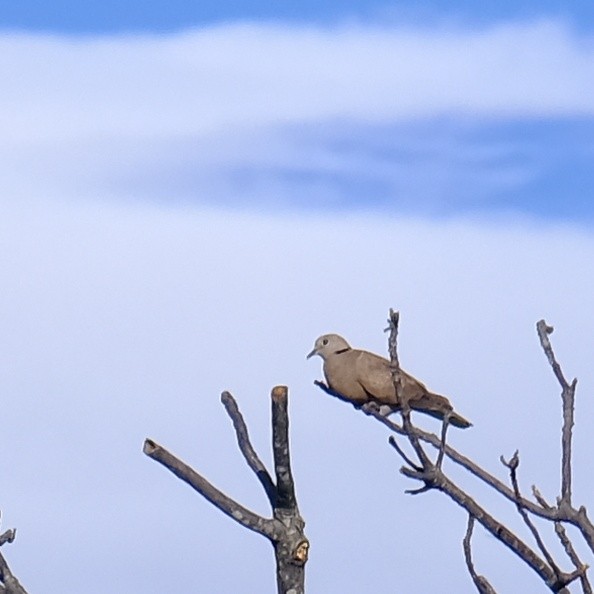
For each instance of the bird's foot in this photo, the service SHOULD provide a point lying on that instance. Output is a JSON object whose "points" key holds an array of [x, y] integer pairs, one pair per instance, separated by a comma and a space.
{"points": [[370, 408], [385, 410]]}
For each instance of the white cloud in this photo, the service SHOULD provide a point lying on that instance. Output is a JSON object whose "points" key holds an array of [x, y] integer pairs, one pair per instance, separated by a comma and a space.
{"points": [[222, 113], [123, 322], [259, 75]]}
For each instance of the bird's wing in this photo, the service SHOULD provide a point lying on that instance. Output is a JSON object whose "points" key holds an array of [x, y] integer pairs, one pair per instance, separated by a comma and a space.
{"points": [[374, 376], [412, 388]]}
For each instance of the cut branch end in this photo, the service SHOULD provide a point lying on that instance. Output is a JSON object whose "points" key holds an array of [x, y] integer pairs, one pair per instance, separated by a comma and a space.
{"points": [[149, 447], [279, 393]]}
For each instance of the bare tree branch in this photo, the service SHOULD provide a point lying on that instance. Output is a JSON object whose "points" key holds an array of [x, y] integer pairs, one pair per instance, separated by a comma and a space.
{"points": [[450, 452], [293, 548], [250, 455], [564, 511], [432, 477], [392, 441], [580, 568], [8, 582], [393, 321], [482, 584], [568, 399], [435, 479], [567, 545], [512, 464], [285, 529], [227, 505], [577, 517], [280, 445]]}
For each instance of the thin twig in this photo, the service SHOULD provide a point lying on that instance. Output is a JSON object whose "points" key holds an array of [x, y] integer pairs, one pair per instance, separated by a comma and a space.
{"points": [[442, 444], [567, 545], [392, 441], [482, 584], [512, 464], [580, 567], [245, 445]]}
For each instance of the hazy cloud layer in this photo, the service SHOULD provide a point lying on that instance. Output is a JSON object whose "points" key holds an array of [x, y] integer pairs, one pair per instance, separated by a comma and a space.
{"points": [[253, 75], [348, 115]]}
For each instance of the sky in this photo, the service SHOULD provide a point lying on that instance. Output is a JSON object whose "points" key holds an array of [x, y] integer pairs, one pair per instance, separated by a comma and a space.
{"points": [[190, 195]]}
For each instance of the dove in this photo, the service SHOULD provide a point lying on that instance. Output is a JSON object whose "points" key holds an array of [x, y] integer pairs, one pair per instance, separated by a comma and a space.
{"points": [[362, 377]]}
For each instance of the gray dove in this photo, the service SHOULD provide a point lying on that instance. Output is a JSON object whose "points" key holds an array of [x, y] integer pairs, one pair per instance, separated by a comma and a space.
{"points": [[362, 377]]}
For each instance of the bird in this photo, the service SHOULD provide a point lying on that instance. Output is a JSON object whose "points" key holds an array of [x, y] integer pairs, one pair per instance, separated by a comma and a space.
{"points": [[362, 377]]}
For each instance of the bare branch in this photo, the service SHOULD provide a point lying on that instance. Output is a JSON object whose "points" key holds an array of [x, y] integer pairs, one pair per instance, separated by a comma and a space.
{"points": [[577, 517], [392, 328], [240, 514], [442, 444], [433, 478], [280, 444], [541, 500], [568, 399], [393, 321], [512, 464], [580, 568], [285, 529], [245, 445], [392, 441], [567, 545], [8, 583], [482, 584], [437, 480]]}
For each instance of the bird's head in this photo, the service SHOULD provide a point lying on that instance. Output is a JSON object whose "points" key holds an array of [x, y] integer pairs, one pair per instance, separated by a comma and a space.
{"points": [[329, 344]]}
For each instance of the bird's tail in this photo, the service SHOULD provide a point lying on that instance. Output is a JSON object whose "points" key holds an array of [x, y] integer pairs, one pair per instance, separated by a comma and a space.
{"points": [[459, 421], [438, 406]]}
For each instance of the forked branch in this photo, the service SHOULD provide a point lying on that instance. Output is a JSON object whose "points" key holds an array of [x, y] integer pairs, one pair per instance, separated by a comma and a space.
{"points": [[432, 477], [285, 529]]}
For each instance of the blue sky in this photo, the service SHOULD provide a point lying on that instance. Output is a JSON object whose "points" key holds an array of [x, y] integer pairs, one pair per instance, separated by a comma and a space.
{"points": [[70, 16], [184, 185]]}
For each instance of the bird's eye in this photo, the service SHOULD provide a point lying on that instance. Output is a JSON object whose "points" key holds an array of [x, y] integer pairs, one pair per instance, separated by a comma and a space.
{"points": [[325, 341]]}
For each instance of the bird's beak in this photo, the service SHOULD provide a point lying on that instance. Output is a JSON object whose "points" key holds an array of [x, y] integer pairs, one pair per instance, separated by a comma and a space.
{"points": [[310, 355]]}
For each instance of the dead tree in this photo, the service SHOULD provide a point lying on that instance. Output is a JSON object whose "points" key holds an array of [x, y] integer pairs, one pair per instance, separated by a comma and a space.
{"points": [[285, 530], [432, 476], [8, 583]]}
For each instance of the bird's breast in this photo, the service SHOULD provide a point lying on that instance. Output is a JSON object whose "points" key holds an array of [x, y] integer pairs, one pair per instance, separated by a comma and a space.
{"points": [[341, 376]]}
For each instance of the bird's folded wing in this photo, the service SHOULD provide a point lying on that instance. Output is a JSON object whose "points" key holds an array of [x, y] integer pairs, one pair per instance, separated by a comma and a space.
{"points": [[375, 376]]}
